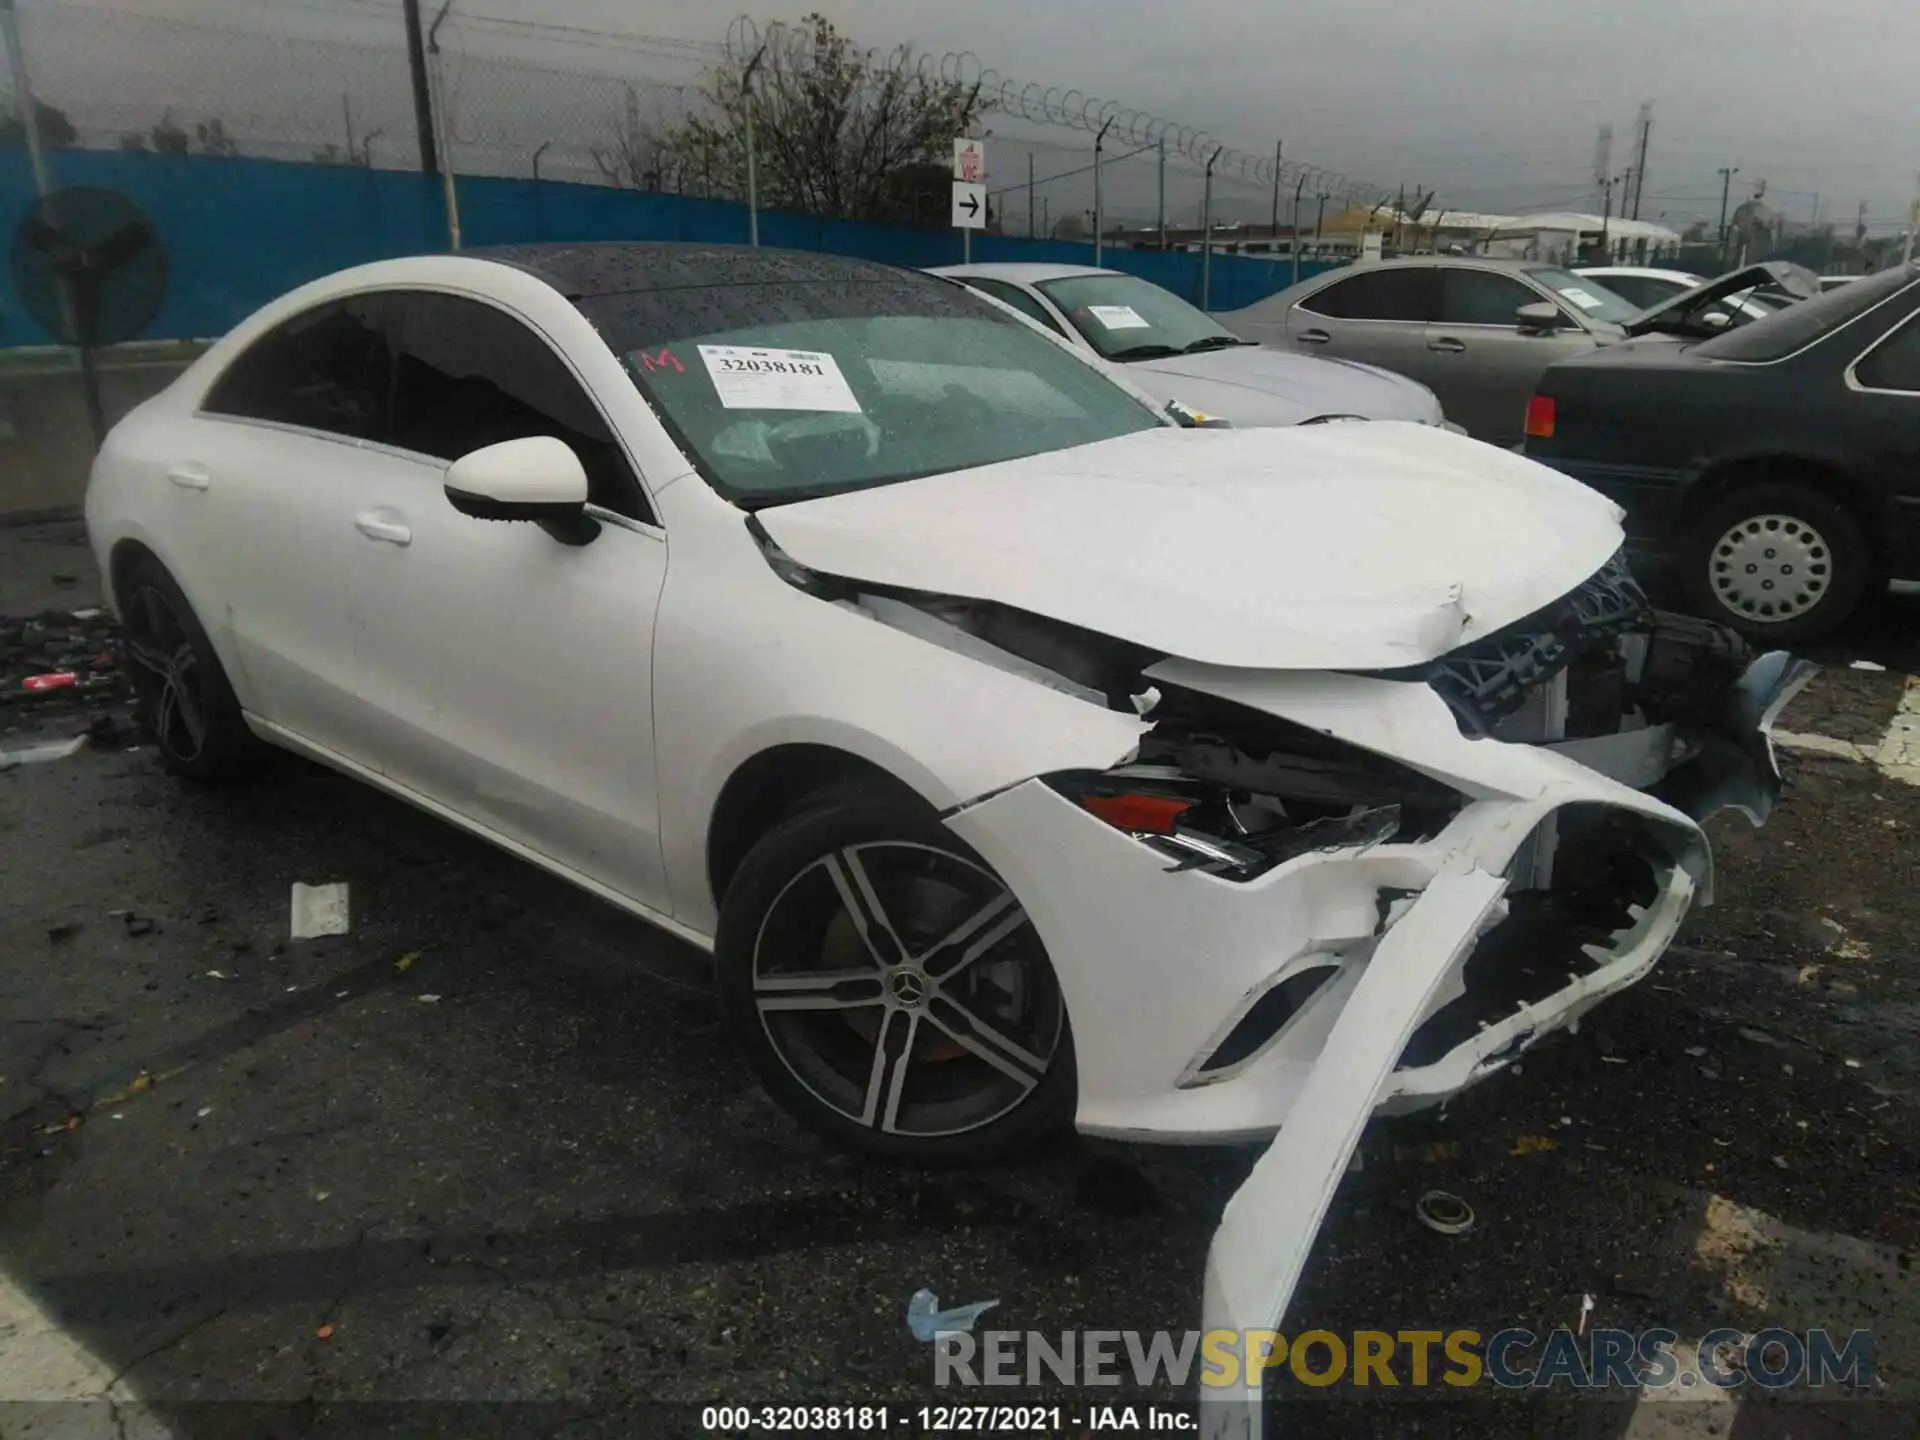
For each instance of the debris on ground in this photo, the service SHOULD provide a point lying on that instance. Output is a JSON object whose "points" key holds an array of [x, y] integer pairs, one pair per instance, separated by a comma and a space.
{"points": [[429, 999], [926, 1319], [1586, 1309], [325, 1332], [137, 925], [40, 754], [1872, 665], [319, 910], [65, 930], [405, 962], [56, 680], [1533, 1145], [1443, 1213]]}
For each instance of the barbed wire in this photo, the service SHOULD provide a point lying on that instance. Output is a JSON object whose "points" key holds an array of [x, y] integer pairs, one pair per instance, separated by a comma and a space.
{"points": [[793, 47]]}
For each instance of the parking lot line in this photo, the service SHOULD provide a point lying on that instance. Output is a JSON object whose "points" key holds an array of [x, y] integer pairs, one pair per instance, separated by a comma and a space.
{"points": [[1896, 755]]}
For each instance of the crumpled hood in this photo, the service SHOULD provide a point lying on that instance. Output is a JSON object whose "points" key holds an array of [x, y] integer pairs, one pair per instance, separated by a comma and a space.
{"points": [[1264, 385], [1354, 545]]}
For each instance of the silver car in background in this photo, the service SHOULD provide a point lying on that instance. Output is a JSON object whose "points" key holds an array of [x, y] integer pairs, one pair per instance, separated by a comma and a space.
{"points": [[1476, 332], [1174, 351]]}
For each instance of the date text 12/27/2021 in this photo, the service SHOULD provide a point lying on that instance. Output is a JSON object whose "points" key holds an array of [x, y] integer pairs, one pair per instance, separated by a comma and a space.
{"points": [[990, 1420]]}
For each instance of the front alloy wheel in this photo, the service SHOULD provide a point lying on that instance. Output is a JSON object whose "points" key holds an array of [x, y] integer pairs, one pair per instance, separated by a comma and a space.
{"points": [[888, 988]]}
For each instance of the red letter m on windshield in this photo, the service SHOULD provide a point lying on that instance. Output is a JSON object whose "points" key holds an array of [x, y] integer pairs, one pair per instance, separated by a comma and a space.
{"points": [[662, 361]]}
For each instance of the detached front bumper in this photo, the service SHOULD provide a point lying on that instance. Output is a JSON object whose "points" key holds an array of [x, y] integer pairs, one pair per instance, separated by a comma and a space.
{"points": [[1438, 963]]}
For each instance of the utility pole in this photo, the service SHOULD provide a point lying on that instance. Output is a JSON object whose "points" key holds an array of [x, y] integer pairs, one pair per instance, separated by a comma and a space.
{"points": [[1293, 237], [1727, 172], [1099, 214], [1206, 231], [1273, 230], [753, 178], [1318, 219], [23, 95], [422, 91], [1163, 195], [1029, 194], [445, 130], [1640, 161]]}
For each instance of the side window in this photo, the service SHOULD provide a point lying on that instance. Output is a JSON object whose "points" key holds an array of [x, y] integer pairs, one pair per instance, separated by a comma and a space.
{"points": [[1894, 364], [1637, 289], [1399, 293], [467, 375], [1016, 297], [325, 369], [1480, 297]]}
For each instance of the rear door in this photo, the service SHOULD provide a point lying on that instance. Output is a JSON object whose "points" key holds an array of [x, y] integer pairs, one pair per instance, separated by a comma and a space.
{"points": [[1885, 382], [1480, 363], [1378, 315], [279, 462]]}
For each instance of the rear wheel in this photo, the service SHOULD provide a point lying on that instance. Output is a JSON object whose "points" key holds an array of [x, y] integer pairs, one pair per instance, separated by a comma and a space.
{"points": [[887, 988], [185, 702], [1780, 562]]}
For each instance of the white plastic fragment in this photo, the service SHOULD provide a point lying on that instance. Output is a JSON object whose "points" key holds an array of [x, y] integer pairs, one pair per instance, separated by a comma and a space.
{"points": [[429, 999], [1867, 665], [319, 910], [1586, 1309], [926, 1319], [39, 754], [218, 975], [203, 1112]]}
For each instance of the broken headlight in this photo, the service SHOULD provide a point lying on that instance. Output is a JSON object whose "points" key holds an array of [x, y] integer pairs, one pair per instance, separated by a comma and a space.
{"points": [[1233, 792]]}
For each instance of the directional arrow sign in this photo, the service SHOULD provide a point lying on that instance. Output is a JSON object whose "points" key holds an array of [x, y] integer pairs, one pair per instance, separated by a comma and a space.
{"points": [[969, 206]]}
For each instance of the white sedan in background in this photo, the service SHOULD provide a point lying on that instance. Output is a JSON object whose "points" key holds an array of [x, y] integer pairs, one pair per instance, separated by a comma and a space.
{"points": [[1178, 353], [1022, 759], [1648, 286]]}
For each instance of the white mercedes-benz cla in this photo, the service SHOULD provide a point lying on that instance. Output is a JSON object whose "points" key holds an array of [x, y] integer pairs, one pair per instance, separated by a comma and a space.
{"points": [[1023, 756]]}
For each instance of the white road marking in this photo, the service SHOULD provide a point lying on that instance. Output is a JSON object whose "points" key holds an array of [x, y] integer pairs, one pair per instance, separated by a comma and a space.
{"points": [[1897, 755], [51, 1384]]}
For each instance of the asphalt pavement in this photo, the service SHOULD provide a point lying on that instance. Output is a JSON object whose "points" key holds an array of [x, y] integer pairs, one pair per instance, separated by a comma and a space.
{"points": [[487, 1163]]}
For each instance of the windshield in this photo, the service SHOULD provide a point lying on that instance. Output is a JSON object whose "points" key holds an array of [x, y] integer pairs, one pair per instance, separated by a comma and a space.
{"points": [[1803, 322], [1127, 318], [782, 392], [1590, 298]]}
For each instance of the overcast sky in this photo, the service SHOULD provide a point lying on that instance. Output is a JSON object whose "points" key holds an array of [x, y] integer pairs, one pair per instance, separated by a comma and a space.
{"points": [[1493, 103]]}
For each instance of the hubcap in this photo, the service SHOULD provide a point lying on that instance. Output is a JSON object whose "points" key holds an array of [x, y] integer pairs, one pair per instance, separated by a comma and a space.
{"points": [[166, 674], [1771, 568], [904, 988]]}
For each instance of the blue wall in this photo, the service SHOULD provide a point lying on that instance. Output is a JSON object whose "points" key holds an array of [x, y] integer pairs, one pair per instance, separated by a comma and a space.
{"points": [[239, 232]]}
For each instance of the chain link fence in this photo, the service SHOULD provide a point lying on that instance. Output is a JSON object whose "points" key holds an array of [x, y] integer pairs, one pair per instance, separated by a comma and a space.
{"points": [[535, 100]]}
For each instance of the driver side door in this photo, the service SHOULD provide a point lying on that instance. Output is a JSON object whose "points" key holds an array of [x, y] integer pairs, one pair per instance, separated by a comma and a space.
{"points": [[510, 674]]}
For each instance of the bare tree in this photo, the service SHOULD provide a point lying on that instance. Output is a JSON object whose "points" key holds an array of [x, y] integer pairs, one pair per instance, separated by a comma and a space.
{"points": [[55, 129], [168, 137], [834, 126]]}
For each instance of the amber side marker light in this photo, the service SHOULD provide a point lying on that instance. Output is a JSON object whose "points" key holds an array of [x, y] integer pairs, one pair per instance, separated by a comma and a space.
{"points": [[1540, 417]]}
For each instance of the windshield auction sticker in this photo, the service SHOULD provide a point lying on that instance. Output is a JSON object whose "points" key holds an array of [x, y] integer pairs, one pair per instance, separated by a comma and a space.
{"points": [[1118, 317], [747, 378], [1585, 299]]}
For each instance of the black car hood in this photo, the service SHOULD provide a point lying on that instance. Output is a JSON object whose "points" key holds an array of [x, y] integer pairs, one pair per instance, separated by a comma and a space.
{"points": [[1781, 275]]}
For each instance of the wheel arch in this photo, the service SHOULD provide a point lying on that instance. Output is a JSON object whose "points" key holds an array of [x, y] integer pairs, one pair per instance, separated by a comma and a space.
{"points": [[127, 553], [770, 785], [1831, 477]]}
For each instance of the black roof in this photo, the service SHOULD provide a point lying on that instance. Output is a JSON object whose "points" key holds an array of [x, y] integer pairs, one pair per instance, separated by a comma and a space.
{"points": [[625, 267]]}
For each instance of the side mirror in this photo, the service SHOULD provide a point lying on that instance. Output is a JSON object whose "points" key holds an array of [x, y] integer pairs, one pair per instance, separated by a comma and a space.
{"points": [[537, 478], [1539, 318]]}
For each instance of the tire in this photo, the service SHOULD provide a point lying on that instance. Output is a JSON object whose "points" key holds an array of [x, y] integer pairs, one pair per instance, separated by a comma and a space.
{"points": [[184, 701], [1780, 562], [982, 1026]]}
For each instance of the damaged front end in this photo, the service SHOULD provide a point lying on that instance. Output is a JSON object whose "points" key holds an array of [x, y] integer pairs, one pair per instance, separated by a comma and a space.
{"points": [[1310, 896], [1669, 704]]}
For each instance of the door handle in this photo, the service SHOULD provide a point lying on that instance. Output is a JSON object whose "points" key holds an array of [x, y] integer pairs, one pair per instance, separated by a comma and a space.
{"points": [[375, 526], [1312, 337], [1446, 345], [189, 476]]}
